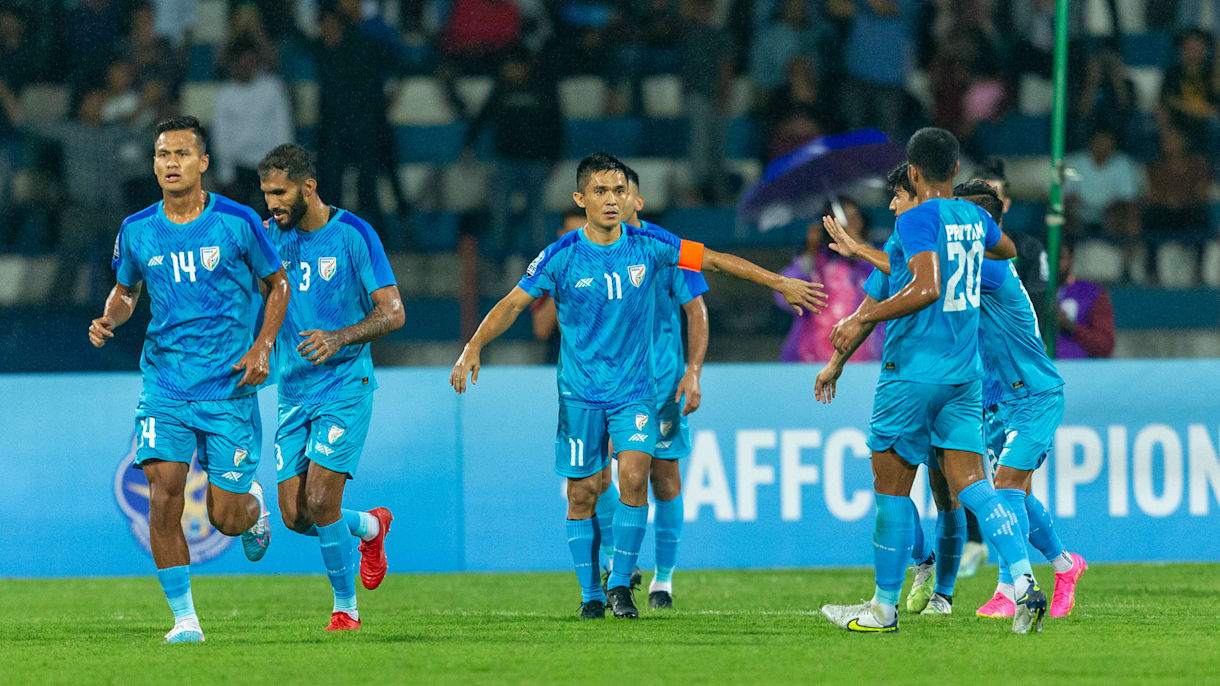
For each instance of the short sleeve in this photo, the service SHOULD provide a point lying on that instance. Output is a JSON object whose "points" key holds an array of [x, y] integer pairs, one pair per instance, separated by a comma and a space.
{"points": [[540, 275], [371, 260], [688, 285], [917, 228], [126, 267], [993, 273], [877, 286], [991, 230], [263, 257], [671, 251]]}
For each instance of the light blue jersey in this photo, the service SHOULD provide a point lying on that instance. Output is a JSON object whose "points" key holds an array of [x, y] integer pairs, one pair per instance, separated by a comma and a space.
{"points": [[606, 297], [1014, 359], [938, 344], [333, 271], [680, 286], [202, 280]]}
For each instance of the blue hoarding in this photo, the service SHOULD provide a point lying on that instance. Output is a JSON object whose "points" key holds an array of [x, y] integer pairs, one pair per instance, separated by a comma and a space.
{"points": [[774, 480]]}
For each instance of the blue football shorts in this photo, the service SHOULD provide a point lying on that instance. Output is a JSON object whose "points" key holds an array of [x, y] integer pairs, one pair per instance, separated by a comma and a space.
{"points": [[331, 434], [673, 432], [584, 434], [227, 436], [913, 418], [1021, 432]]}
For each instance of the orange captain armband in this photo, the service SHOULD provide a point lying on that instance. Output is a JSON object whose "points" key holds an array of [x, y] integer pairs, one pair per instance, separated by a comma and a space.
{"points": [[690, 256]]}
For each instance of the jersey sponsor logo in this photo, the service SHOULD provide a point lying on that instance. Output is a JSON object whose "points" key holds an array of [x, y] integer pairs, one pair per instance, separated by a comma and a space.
{"points": [[156, 260], [666, 426], [334, 434], [131, 493], [210, 257], [533, 266], [584, 283], [232, 476], [641, 420], [326, 267], [323, 448], [636, 273], [638, 438], [239, 455]]}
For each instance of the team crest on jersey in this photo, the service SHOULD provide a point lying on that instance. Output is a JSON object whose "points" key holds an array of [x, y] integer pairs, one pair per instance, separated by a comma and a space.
{"points": [[210, 257], [335, 433], [131, 493], [239, 455], [533, 266], [326, 267], [665, 427], [636, 273], [641, 420]]}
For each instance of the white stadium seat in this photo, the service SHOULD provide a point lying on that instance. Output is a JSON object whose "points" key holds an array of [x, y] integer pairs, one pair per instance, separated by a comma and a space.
{"points": [[1147, 82], [305, 102], [662, 96], [1211, 264], [1035, 95], [1175, 265], [583, 97], [474, 91], [197, 100], [465, 186], [559, 187], [211, 22], [656, 182], [1098, 261], [421, 101], [45, 102]]}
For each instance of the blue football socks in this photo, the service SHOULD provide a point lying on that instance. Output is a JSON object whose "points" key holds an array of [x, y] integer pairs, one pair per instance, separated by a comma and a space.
{"points": [[361, 524], [950, 539], [176, 583], [607, 503], [583, 541], [336, 543], [998, 524], [919, 546], [629, 525], [668, 526], [1041, 529], [892, 542]]}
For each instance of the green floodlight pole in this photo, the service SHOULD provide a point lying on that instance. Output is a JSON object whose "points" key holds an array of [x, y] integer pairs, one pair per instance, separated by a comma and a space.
{"points": [[1054, 217]]}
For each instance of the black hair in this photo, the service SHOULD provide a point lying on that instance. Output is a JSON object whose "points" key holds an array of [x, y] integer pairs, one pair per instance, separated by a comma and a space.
{"points": [[900, 177], [296, 162], [982, 194], [632, 177], [935, 152], [597, 162], [184, 123], [992, 169]]}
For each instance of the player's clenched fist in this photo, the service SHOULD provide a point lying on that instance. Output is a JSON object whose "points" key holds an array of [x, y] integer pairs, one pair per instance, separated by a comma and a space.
{"points": [[99, 330], [845, 333], [803, 296], [467, 364]]}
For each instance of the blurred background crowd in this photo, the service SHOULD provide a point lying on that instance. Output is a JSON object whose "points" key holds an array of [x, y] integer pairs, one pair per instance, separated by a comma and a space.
{"points": [[454, 127]]}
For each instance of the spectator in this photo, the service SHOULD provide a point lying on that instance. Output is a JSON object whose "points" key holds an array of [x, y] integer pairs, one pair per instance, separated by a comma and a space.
{"points": [[125, 103], [250, 117], [843, 279], [790, 35], [153, 59], [798, 112], [1191, 92], [705, 57], [1086, 316], [246, 26], [479, 30], [1107, 97], [1178, 184], [18, 60], [523, 116], [174, 21], [1102, 199], [878, 61], [93, 33], [97, 161], [965, 86], [543, 314]]}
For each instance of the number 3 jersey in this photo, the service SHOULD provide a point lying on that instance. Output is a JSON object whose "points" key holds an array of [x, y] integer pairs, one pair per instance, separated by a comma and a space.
{"points": [[938, 344], [202, 282], [333, 271], [606, 296]]}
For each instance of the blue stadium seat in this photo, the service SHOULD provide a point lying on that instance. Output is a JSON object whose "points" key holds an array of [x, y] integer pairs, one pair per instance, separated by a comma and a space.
{"points": [[1015, 135], [1151, 49], [201, 64], [711, 225], [741, 140], [435, 231], [436, 144], [665, 137], [620, 136]]}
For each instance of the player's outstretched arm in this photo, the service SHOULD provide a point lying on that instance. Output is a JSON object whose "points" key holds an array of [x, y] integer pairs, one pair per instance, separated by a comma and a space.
{"points": [[387, 315], [923, 290], [1004, 250], [257, 360], [824, 386], [850, 248], [801, 295], [119, 305], [495, 323], [696, 350]]}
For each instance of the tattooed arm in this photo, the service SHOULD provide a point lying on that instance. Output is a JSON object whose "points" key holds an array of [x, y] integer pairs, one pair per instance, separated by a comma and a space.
{"points": [[386, 316]]}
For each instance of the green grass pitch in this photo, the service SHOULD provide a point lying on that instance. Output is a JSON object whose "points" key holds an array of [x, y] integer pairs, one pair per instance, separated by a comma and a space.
{"points": [[1132, 624]]}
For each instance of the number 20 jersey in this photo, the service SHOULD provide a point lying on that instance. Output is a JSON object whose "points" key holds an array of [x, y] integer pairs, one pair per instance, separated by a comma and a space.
{"points": [[938, 344]]}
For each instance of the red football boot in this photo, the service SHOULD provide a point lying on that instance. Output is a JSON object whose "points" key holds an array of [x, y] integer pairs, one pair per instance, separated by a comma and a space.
{"points": [[372, 553], [342, 621]]}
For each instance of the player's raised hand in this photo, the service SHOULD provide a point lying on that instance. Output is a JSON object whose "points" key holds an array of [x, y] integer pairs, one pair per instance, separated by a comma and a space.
{"points": [[845, 333], [824, 385], [467, 364], [99, 330], [318, 346], [843, 243], [689, 385], [256, 363], [803, 296]]}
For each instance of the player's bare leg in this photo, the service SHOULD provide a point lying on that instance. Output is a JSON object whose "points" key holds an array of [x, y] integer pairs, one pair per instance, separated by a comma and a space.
{"points": [[166, 501], [666, 488], [293, 509], [323, 505]]}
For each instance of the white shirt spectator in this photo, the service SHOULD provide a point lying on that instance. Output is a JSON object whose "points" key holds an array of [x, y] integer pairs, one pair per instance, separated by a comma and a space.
{"points": [[1100, 185], [249, 119]]}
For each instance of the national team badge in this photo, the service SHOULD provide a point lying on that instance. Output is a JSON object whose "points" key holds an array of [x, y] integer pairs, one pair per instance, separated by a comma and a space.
{"points": [[335, 433], [239, 455], [131, 492], [665, 427], [326, 267], [636, 273], [641, 420], [210, 257]]}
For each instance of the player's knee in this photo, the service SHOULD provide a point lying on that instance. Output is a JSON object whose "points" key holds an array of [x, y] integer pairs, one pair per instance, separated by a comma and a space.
{"points": [[294, 519], [226, 521], [321, 507], [165, 502]]}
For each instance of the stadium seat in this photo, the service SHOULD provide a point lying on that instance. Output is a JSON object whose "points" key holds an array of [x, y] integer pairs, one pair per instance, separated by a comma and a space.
{"points": [[1147, 82], [39, 277], [13, 270], [473, 91], [211, 22], [435, 232], [1028, 177], [741, 139], [559, 187], [662, 96], [197, 98], [919, 86], [421, 101], [464, 187], [202, 64], [1175, 265], [45, 102], [305, 102], [421, 185], [1098, 261], [1150, 49], [748, 168], [656, 182], [1211, 264], [619, 136], [1035, 95], [583, 97], [434, 144], [1015, 134]]}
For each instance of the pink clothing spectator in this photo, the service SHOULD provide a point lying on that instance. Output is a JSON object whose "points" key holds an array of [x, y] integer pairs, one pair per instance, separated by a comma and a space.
{"points": [[809, 339]]}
